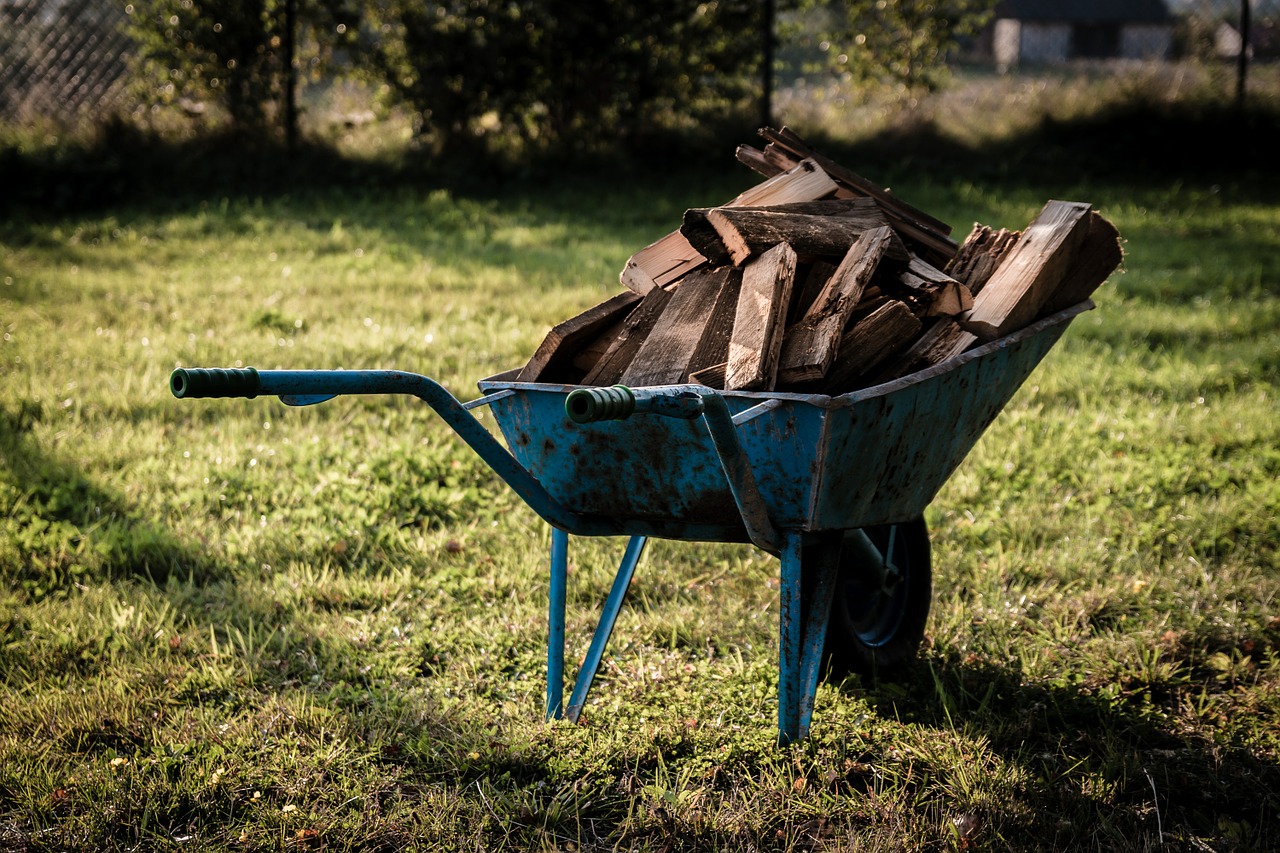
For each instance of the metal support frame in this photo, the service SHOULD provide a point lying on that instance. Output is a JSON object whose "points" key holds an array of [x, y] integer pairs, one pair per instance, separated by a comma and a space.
{"points": [[802, 627], [604, 627]]}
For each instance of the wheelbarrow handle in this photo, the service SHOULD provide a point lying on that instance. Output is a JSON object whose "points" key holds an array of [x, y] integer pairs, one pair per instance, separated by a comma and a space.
{"points": [[305, 387], [192, 382]]}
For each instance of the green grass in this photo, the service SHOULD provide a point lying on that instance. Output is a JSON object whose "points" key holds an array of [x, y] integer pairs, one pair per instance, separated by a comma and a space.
{"points": [[233, 625]]}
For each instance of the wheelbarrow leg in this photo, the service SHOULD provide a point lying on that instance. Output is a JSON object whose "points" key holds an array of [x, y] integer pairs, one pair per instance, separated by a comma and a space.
{"points": [[555, 623], [604, 628], [803, 628]]}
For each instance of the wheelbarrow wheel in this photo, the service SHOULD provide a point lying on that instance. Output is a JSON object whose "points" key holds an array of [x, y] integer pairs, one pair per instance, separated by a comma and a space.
{"points": [[877, 621]]}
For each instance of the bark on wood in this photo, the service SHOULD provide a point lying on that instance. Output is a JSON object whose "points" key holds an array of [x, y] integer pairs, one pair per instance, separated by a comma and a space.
{"points": [[640, 321], [1026, 279], [749, 231], [1099, 256], [758, 321], [668, 259], [562, 342], [809, 347], [668, 349], [868, 343]]}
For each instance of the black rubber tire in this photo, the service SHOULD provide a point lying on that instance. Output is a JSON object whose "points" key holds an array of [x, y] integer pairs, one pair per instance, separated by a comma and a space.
{"points": [[873, 632]]}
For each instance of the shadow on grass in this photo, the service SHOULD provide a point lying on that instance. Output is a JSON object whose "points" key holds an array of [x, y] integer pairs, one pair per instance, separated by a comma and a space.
{"points": [[69, 529], [1095, 755], [1135, 143]]}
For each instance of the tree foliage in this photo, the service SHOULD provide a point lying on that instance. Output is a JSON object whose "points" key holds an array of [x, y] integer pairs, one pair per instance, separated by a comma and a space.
{"points": [[902, 42], [229, 52], [556, 70], [539, 72]]}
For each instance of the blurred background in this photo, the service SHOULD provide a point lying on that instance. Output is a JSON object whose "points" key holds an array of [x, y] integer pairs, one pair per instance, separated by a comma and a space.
{"points": [[86, 85]]}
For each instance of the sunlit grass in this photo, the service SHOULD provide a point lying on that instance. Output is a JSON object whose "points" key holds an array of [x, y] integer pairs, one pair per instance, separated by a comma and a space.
{"points": [[234, 625]]}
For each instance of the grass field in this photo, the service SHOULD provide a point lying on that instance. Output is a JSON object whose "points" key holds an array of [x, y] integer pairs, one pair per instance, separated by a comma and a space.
{"points": [[228, 625]]}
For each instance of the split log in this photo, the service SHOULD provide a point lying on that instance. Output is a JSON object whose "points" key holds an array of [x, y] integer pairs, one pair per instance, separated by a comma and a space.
{"points": [[1099, 256], [561, 344], [1026, 279], [940, 342], [702, 235], [712, 376], [589, 356], [668, 350], [608, 370], [665, 261], [756, 342], [930, 292], [809, 347], [868, 343], [811, 279], [749, 231]]}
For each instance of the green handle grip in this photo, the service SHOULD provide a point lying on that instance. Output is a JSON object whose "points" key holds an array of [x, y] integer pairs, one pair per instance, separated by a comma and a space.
{"points": [[214, 382], [589, 405]]}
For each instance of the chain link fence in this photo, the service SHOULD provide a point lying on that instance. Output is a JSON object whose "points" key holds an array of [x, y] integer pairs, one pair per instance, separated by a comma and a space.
{"points": [[63, 60], [68, 61]]}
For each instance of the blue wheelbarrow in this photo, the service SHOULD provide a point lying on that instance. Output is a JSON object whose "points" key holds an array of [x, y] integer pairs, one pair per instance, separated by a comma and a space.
{"points": [[836, 487]]}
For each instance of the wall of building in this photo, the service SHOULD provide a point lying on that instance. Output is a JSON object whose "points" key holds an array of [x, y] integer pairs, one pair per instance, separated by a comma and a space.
{"points": [[1146, 41]]}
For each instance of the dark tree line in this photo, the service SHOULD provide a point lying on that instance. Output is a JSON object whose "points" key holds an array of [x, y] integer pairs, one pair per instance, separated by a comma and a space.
{"points": [[529, 72]]}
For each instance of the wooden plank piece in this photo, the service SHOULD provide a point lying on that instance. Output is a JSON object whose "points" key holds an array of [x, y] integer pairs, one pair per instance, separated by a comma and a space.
{"points": [[664, 357], [1026, 279], [714, 347], [757, 324], [640, 321], [754, 159], [562, 342]]}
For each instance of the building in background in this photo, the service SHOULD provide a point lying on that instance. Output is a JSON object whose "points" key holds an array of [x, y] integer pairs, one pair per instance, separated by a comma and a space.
{"points": [[1031, 32]]}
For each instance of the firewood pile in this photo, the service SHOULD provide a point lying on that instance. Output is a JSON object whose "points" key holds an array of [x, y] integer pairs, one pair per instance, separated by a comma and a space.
{"points": [[817, 281]]}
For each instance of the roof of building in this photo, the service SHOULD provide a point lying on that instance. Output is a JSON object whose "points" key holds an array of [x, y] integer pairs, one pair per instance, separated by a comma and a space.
{"points": [[1090, 11]]}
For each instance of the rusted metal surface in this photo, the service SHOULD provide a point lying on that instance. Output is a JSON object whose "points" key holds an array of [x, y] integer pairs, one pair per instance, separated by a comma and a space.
{"points": [[821, 463]]}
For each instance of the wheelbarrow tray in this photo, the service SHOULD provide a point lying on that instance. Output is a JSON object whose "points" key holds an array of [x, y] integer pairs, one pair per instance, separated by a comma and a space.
{"points": [[874, 456]]}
